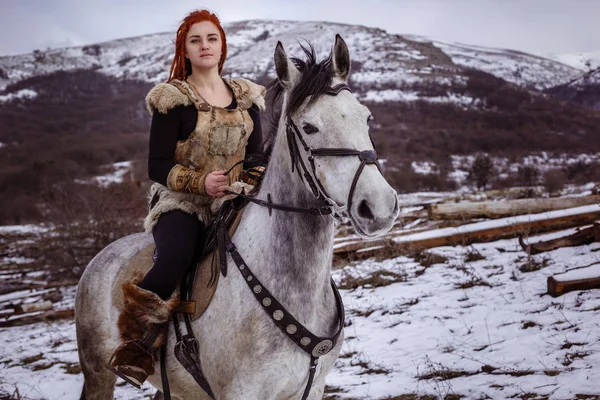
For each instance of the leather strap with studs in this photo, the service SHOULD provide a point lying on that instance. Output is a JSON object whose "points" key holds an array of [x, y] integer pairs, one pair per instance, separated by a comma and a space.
{"points": [[314, 345]]}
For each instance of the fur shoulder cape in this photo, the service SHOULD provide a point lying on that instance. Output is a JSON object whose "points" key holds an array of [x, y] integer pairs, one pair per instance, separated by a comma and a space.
{"points": [[166, 96]]}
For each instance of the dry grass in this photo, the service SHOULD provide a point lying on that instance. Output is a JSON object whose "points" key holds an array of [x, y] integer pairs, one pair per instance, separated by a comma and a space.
{"points": [[532, 264], [375, 280]]}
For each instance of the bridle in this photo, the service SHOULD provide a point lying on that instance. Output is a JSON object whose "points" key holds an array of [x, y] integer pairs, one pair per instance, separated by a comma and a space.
{"points": [[329, 205]]}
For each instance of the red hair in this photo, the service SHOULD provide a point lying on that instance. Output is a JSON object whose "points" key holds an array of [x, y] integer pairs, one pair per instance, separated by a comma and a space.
{"points": [[181, 67]]}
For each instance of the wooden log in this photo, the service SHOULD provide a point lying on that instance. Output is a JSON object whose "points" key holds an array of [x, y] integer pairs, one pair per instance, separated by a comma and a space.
{"points": [[489, 231], [33, 307], [579, 279], [47, 316], [580, 238], [348, 246], [507, 208]]}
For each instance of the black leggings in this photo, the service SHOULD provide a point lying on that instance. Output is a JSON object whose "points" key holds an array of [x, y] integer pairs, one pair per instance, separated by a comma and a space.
{"points": [[177, 236]]}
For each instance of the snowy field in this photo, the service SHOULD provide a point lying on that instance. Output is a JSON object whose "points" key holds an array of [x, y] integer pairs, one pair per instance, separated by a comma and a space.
{"points": [[451, 323]]}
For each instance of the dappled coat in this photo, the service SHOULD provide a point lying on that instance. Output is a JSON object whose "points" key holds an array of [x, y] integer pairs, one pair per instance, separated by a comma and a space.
{"points": [[217, 143]]}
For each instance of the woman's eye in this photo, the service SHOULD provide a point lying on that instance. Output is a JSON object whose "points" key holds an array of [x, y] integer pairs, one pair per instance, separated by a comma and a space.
{"points": [[310, 129]]}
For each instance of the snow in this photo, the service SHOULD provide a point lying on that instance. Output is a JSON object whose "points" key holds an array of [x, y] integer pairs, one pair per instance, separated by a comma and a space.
{"points": [[423, 167], [389, 95], [428, 325], [520, 68], [17, 260], [21, 94], [22, 229], [119, 170], [497, 223], [116, 174], [457, 316], [592, 271], [582, 61]]}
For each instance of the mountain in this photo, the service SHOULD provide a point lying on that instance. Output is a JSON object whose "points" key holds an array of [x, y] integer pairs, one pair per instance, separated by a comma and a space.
{"points": [[401, 71], [63, 112], [380, 58], [384, 64]]}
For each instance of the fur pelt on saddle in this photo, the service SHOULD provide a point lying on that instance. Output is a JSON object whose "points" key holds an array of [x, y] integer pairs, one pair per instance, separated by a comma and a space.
{"points": [[142, 309]]}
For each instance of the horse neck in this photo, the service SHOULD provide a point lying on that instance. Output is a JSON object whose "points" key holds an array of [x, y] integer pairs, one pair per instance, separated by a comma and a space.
{"points": [[299, 246]]}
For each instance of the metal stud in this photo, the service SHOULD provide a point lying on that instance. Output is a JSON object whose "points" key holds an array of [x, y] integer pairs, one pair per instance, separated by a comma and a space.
{"points": [[266, 302], [291, 329], [242, 266], [305, 341], [322, 348], [278, 315], [257, 289], [249, 278]]}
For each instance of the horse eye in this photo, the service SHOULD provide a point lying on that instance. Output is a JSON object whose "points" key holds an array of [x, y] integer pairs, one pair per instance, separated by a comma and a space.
{"points": [[369, 118], [310, 129]]}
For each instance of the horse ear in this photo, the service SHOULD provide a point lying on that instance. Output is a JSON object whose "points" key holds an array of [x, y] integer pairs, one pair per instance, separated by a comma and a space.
{"points": [[341, 58], [287, 73]]}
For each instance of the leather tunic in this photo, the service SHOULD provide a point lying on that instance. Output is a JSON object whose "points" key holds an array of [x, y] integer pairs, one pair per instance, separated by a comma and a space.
{"points": [[217, 143]]}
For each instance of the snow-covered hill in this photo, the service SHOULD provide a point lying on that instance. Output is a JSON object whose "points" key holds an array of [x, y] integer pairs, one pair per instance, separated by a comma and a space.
{"points": [[381, 61], [583, 61]]}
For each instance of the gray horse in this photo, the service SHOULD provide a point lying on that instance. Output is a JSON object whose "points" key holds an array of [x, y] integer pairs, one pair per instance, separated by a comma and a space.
{"points": [[243, 354]]}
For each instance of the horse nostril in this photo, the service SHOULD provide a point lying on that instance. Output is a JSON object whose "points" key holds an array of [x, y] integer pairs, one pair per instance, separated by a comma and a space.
{"points": [[364, 211]]}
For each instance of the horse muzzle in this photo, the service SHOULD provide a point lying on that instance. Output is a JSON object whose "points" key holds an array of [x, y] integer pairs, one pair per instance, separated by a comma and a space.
{"points": [[374, 213]]}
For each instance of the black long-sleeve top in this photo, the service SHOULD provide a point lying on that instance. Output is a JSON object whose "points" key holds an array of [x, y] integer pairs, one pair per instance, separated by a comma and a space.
{"points": [[177, 124]]}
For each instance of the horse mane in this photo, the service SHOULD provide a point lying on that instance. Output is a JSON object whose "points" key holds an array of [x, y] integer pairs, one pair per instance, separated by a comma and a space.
{"points": [[315, 80]]}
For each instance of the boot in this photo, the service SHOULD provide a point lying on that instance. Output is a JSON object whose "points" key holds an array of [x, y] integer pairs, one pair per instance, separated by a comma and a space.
{"points": [[142, 326]]}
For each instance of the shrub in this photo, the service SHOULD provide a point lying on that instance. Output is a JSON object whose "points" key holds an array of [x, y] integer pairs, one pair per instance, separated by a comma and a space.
{"points": [[554, 181], [528, 175], [480, 171]]}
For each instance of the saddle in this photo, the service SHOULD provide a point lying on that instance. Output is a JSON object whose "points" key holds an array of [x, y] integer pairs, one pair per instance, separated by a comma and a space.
{"points": [[205, 277]]}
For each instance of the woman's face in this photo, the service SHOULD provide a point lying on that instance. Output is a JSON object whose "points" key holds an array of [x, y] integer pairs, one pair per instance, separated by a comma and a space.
{"points": [[203, 45]]}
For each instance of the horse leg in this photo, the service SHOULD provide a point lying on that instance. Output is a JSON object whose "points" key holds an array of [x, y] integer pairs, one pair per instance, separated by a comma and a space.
{"points": [[99, 381], [98, 385]]}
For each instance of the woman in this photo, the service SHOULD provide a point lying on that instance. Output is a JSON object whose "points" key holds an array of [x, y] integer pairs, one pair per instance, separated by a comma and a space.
{"points": [[202, 125]]}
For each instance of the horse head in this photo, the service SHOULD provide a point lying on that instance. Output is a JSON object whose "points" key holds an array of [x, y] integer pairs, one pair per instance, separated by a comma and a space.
{"points": [[327, 132]]}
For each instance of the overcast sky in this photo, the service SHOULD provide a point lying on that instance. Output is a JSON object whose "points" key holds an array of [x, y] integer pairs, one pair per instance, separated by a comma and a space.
{"points": [[537, 26]]}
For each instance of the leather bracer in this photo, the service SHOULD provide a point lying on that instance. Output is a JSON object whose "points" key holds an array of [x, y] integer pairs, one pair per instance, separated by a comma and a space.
{"points": [[183, 179]]}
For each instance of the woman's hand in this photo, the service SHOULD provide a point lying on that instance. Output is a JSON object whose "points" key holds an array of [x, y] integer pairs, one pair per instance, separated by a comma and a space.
{"points": [[215, 184]]}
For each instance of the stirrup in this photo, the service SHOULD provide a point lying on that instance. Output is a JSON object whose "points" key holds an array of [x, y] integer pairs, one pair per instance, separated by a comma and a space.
{"points": [[131, 374]]}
